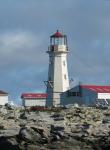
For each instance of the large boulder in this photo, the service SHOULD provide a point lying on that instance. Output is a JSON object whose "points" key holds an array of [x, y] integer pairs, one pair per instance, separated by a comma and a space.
{"points": [[24, 134], [9, 107]]}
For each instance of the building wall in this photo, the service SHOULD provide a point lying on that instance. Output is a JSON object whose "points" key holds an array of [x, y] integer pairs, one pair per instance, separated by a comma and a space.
{"points": [[89, 97], [3, 99], [103, 95], [33, 102], [65, 100]]}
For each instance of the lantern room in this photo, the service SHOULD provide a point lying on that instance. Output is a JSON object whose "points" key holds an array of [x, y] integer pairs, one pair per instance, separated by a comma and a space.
{"points": [[58, 42], [58, 39]]}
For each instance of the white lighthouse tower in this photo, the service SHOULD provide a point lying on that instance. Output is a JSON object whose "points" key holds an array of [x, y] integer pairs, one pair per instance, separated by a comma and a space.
{"points": [[58, 80]]}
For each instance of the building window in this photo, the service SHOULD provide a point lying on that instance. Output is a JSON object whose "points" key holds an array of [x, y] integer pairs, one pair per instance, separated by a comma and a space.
{"points": [[69, 93], [63, 63], [65, 76], [78, 94]]}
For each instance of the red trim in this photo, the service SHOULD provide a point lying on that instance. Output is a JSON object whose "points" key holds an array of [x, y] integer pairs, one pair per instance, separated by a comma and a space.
{"points": [[97, 88], [33, 95]]}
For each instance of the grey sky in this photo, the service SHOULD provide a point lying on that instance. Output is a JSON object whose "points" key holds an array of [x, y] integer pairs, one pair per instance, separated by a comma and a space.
{"points": [[25, 27]]}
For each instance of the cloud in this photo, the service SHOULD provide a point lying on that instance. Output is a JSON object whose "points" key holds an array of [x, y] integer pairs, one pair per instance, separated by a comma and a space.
{"points": [[20, 48], [14, 41]]}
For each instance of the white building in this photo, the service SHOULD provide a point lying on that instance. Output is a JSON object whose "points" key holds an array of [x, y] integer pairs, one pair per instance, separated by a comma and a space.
{"points": [[33, 99], [86, 95], [3, 98], [58, 80]]}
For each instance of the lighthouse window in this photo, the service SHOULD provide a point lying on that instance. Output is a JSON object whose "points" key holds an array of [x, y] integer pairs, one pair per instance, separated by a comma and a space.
{"points": [[65, 76], [64, 63], [58, 41]]}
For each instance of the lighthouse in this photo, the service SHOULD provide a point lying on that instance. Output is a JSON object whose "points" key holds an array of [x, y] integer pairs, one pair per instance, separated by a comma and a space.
{"points": [[58, 80]]}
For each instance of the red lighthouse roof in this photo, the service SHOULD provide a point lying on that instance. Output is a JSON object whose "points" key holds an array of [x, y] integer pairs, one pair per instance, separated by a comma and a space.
{"points": [[57, 34]]}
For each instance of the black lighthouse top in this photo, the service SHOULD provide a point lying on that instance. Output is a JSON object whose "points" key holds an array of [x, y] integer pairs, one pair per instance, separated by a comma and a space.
{"points": [[58, 39]]}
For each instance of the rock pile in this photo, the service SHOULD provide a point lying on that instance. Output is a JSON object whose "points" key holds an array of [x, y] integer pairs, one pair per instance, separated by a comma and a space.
{"points": [[81, 128]]}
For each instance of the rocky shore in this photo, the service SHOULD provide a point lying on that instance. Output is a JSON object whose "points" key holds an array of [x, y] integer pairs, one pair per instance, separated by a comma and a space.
{"points": [[80, 128]]}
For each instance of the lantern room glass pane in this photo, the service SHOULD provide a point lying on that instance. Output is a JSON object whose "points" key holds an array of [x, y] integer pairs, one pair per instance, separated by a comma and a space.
{"points": [[58, 41]]}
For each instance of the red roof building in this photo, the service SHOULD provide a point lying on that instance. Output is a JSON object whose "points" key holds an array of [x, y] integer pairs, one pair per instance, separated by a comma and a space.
{"points": [[86, 95], [3, 93], [3, 97], [33, 99]]}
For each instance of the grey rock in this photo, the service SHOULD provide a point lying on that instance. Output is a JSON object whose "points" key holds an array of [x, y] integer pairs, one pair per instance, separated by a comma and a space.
{"points": [[38, 130], [10, 116], [106, 120], [24, 134], [9, 107], [7, 143], [9, 133], [1, 126], [57, 128], [57, 117], [74, 128], [24, 115], [55, 138]]}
